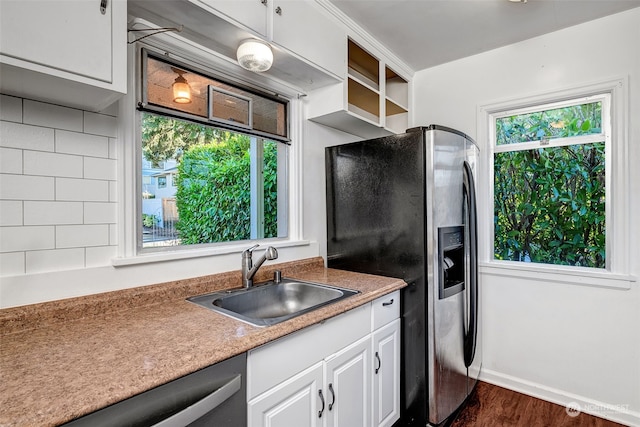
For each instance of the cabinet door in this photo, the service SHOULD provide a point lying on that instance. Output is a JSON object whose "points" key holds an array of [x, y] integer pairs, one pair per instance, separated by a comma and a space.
{"points": [[72, 36], [348, 386], [386, 374], [303, 28], [250, 13], [295, 402]]}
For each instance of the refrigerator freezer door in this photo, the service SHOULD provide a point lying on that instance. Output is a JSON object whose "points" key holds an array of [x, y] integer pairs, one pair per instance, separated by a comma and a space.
{"points": [[447, 374]]}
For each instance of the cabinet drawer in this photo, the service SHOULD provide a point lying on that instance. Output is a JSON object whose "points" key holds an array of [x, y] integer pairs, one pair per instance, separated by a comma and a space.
{"points": [[385, 309]]}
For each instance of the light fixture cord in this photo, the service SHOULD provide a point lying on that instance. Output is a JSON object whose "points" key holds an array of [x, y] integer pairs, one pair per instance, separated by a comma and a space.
{"points": [[155, 31]]}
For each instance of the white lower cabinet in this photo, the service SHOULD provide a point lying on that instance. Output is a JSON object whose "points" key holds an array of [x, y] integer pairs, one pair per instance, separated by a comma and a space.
{"points": [[344, 372], [348, 386], [295, 402], [386, 378]]}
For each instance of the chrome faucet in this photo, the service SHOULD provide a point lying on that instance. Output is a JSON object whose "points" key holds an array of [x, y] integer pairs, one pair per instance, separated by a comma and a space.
{"points": [[249, 269]]}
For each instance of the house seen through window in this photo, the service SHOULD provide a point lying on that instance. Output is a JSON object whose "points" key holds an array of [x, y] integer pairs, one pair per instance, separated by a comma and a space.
{"points": [[214, 162], [549, 183]]}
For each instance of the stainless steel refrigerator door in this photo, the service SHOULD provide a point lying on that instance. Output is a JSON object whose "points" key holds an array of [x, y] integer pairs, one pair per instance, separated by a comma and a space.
{"points": [[473, 371], [447, 373]]}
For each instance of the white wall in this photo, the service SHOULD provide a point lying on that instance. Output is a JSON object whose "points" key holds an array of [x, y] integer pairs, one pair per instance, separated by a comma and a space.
{"points": [[562, 342]]}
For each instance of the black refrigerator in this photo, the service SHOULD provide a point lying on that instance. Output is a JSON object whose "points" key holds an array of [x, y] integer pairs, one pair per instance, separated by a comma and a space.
{"points": [[405, 206]]}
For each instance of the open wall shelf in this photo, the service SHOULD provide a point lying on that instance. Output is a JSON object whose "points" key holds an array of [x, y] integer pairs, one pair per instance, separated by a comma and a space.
{"points": [[373, 100]]}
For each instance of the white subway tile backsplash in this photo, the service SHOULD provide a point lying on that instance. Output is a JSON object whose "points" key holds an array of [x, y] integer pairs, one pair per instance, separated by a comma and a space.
{"points": [[58, 187], [12, 264], [113, 234], [89, 190], [10, 212], [100, 213], [10, 108], [52, 116], [100, 256], [113, 148], [26, 137], [113, 191], [22, 187], [95, 168], [52, 213], [10, 160], [74, 236], [52, 260], [100, 124], [81, 144], [52, 164], [14, 239]]}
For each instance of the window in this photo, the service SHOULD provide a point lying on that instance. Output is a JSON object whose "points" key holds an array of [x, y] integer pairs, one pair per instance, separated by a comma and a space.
{"points": [[224, 148], [551, 170]]}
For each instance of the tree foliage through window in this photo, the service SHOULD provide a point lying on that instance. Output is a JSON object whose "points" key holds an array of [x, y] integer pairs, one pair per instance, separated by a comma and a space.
{"points": [[213, 183], [549, 202]]}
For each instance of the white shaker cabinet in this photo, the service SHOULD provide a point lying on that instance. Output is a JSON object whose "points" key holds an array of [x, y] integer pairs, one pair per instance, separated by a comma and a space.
{"points": [[64, 51]]}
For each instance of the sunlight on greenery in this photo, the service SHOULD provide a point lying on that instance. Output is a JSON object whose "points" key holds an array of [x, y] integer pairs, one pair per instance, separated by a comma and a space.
{"points": [[549, 203], [213, 194]]}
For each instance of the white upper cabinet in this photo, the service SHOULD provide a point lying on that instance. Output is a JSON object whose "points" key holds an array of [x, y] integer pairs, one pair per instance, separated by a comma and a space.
{"points": [[302, 27], [248, 13], [69, 51]]}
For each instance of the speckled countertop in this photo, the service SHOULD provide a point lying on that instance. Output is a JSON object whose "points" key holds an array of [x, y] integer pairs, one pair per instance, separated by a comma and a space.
{"points": [[63, 359]]}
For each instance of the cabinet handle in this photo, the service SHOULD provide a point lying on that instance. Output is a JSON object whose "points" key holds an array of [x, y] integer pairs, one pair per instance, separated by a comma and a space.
{"points": [[103, 6], [333, 396], [379, 362], [384, 304], [264, 2], [279, 10], [322, 400]]}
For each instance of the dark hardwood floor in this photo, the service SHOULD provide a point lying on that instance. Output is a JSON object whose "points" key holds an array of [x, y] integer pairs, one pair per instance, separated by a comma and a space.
{"points": [[493, 406]]}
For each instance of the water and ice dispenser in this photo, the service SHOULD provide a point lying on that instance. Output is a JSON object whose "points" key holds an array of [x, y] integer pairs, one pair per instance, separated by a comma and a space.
{"points": [[451, 260]]}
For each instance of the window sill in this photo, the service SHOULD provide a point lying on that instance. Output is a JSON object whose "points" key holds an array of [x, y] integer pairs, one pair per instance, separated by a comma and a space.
{"points": [[184, 254], [572, 276]]}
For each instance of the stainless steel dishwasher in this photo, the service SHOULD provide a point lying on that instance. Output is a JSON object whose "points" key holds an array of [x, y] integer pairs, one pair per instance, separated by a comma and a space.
{"points": [[213, 396]]}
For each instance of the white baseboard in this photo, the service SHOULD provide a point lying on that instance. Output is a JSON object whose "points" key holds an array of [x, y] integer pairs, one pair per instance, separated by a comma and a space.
{"points": [[618, 413]]}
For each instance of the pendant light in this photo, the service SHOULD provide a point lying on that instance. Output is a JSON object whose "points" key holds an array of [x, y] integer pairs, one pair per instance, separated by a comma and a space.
{"points": [[181, 89], [255, 55]]}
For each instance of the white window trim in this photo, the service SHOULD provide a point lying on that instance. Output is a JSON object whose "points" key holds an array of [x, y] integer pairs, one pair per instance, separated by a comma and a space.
{"points": [[129, 179], [617, 274]]}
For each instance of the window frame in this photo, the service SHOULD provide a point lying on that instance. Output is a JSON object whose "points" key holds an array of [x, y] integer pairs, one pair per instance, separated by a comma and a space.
{"points": [[129, 154], [616, 272]]}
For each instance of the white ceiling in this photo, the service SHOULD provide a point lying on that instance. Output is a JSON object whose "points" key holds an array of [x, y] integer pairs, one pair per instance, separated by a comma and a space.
{"points": [[425, 33]]}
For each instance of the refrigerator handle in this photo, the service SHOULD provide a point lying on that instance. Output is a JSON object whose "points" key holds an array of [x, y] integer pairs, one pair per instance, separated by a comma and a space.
{"points": [[471, 335]]}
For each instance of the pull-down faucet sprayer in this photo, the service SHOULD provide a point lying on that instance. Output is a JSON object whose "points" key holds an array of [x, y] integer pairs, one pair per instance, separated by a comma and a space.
{"points": [[249, 270]]}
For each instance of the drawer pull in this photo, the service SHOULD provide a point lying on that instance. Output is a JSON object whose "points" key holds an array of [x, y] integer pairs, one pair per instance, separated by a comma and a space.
{"points": [[385, 304]]}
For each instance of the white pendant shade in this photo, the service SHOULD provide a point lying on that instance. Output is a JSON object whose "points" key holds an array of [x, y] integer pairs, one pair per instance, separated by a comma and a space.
{"points": [[255, 55]]}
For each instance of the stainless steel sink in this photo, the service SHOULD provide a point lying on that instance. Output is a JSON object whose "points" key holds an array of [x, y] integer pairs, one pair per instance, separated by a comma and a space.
{"points": [[272, 302]]}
